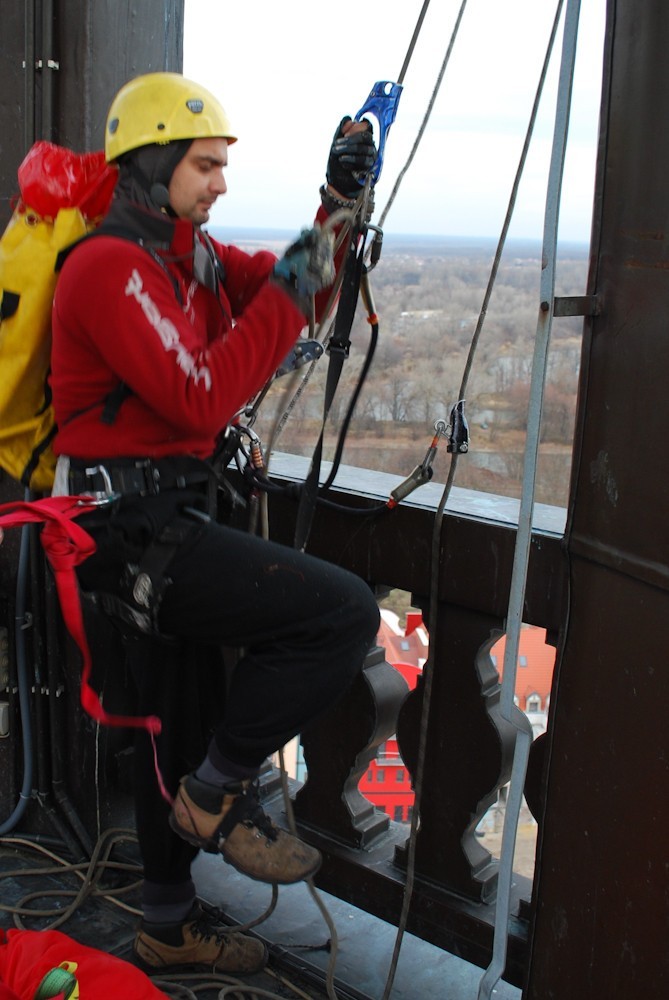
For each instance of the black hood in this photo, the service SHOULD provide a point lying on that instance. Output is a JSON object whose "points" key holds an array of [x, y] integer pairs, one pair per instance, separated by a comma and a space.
{"points": [[145, 174]]}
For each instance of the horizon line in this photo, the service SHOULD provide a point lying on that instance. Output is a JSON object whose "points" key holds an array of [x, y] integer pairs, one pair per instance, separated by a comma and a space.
{"points": [[288, 233]]}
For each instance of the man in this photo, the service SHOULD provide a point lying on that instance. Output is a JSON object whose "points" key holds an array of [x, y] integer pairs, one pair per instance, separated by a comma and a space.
{"points": [[160, 335]]}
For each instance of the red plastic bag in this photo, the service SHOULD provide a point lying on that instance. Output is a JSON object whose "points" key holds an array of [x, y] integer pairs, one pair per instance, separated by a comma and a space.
{"points": [[52, 177], [27, 956], [7, 994]]}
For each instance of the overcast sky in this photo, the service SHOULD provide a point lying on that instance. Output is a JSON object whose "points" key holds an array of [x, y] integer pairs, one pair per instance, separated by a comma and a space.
{"points": [[287, 72]]}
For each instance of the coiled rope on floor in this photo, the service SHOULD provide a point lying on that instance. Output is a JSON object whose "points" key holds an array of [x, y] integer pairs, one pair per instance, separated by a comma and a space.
{"points": [[91, 874]]}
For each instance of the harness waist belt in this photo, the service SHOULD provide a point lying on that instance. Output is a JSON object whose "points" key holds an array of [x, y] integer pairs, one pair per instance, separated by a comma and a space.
{"points": [[139, 477]]}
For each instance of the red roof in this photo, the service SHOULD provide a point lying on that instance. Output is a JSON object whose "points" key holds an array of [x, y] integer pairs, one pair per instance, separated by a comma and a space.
{"points": [[409, 647], [536, 660]]}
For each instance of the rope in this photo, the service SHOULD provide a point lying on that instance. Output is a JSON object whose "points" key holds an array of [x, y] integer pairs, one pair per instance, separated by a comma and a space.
{"points": [[22, 681], [426, 117], [359, 209], [512, 202], [323, 332], [89, 872], [361, 204], [524, 533], [334, 940], [414, 39], [428, 669], [436, 537]]}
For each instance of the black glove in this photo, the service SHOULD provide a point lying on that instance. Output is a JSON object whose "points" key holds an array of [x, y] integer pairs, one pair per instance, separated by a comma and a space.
{"points": [[307, 266], [350, 160]]}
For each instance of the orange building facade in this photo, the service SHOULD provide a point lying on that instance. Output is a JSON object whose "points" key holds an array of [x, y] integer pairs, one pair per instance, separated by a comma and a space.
{"points": [[387, 782]]}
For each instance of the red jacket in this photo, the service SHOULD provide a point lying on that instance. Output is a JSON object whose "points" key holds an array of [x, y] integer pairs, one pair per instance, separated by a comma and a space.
{"points": [[190, 366]]}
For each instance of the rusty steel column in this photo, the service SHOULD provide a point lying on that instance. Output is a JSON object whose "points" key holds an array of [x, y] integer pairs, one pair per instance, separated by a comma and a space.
{"points": [[602, 879], [63, 61]]}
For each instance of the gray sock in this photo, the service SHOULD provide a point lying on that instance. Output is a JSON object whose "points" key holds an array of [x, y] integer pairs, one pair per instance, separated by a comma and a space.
{"points": [[167, 904], [209, 773], [217, 770]]}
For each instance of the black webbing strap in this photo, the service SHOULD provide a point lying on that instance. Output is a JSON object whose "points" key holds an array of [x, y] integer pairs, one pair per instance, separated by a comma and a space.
{"points": [[338, 349], [139, 612]]}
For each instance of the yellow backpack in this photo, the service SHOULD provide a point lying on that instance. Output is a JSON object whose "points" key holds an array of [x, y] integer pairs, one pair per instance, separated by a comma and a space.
{"points": [[64, 195]]}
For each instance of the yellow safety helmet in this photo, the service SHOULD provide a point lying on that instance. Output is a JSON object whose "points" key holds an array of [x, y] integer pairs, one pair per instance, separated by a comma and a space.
{"points": [[159, 108]]}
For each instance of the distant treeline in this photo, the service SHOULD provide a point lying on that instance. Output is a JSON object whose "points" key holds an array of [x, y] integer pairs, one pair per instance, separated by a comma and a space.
{"points": [[417, 244], [429, 293]]}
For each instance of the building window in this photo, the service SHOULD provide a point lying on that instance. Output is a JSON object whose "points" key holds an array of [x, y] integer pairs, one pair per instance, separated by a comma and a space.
{"points": [[380, 774], [522, 661], [370, 775], [533, 703], [399, 776], [398, 814]]}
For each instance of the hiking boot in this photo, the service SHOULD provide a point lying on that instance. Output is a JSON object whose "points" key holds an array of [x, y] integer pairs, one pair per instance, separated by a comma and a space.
{"points": [[201, 940], [231, 821]]}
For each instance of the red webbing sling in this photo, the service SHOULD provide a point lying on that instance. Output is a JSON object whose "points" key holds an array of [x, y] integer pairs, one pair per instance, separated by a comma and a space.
{"points": [[66, 545]]}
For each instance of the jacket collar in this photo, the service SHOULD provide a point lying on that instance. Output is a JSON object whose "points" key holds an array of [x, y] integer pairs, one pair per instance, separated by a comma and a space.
{"points": [[163, 233], [177, 240]]}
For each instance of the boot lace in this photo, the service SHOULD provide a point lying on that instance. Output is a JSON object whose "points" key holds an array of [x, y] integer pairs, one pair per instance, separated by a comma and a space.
{"points": [[254, 814], [209, 924]]}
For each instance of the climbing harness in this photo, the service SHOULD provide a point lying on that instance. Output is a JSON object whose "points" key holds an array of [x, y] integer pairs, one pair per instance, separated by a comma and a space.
{"points": [[66, 545]]}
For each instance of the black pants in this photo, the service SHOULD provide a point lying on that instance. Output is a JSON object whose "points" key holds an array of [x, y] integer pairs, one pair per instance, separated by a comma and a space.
{"points": [[304, 627]]}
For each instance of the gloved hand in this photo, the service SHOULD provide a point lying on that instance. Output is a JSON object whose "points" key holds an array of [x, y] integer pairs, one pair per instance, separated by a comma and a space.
{"points": [[352, 156], [307, 266]]}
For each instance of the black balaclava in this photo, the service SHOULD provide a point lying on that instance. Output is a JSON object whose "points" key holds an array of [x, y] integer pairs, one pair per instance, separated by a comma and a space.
{"points": [[145, 174], [143, 180]]}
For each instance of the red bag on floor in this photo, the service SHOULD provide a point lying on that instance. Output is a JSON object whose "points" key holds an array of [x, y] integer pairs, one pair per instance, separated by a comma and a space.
{"points": [[27, 956], [7, 994]]}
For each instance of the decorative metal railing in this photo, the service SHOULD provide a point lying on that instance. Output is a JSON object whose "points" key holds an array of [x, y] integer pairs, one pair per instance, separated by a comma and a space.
{"points": [[469, 745]]}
